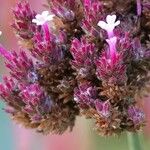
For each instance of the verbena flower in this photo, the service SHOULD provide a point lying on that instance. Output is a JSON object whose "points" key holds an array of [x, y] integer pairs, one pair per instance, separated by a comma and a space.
{"points": [[75, 68]]}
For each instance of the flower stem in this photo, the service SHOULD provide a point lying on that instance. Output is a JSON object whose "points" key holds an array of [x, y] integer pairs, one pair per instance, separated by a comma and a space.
{"points": [[134, 141]]}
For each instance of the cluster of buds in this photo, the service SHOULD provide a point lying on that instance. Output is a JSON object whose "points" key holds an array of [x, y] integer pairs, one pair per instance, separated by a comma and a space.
{"points": [[69, 14], [75, 67], [63, 9], [83, 54], [93, 13], [19, 64], [47, 47], [23, 16]]}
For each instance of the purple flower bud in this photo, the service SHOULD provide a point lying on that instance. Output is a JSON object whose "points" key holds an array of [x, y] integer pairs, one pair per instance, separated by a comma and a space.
{"points": [[32, 94], [63, 9], [47, 48], [111, 71], [136, 115], [18, 64], [92, 13], [103, 108], [85, 95], [23, 16], [83, 54]]}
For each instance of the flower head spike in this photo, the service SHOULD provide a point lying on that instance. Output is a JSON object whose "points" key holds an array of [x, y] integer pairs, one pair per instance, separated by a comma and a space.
{"points": [[41, 19], [109, 25]]}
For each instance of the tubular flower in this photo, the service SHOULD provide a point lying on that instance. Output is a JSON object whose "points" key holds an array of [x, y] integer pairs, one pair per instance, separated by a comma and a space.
{"points": [[73, 68]]}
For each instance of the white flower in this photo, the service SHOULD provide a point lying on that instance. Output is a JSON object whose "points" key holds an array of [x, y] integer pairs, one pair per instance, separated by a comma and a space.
{"points": [[110, 23], [41, 19], [0, 33]]}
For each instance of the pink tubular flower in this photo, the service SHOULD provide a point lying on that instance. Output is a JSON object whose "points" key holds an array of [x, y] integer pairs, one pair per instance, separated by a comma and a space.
{"points": [[112, 48], [109, 25]]}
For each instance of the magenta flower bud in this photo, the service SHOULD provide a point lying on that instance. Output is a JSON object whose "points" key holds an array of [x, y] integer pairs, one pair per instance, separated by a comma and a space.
{"points": [[32, 94], [136, 115], [47, 47], [83, 54], [23, 16], [92, 13], [103, 108], [64, 10], [18, 64], [85, 95]]}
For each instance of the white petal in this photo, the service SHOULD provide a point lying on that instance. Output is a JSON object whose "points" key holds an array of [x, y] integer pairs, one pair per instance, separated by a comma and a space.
{"points": [[37, 22], [0, 33], [117, 23], [103, 25], [50, 17], [45, 13], [34, 20], [38, 16], [110, 19]]}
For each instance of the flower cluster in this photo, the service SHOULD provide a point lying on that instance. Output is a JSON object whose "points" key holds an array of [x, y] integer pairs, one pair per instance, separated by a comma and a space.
{"points": [[93, 13], [79, 64], [23, 16]]}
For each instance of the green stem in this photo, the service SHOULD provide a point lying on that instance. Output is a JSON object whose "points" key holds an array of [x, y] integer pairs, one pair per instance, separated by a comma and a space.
{"points": [[134, 141]]}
